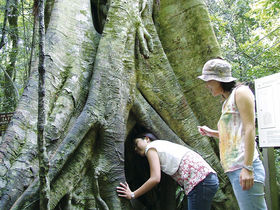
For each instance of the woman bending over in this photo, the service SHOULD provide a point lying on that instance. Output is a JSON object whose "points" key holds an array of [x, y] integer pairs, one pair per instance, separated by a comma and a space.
{"points": [[186, 167]]}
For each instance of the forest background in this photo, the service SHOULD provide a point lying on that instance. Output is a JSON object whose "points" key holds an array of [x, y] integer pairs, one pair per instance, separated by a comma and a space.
{"points": [[248, 32]]}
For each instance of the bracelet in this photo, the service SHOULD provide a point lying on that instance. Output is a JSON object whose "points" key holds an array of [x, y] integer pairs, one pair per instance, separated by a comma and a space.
{"points": [[249, 168], [132, 195]]}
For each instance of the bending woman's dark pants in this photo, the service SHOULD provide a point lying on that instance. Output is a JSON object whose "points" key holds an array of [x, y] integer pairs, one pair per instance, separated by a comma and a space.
{"points": [[201, 196]]}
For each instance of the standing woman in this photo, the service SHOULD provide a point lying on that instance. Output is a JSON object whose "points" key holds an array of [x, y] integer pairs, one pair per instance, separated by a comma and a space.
{"points": [[236, 133], [188, 168]]}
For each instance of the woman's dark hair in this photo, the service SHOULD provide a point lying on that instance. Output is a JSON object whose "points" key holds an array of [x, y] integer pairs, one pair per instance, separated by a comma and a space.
{"points": [[228, 86], [151, 136]]}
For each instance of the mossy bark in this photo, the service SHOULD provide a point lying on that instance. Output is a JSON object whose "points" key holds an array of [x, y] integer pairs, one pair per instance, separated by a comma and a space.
{"points": [[188, 40]]}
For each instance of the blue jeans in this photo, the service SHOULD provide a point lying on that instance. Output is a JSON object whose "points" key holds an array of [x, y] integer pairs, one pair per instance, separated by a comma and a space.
{"points": [[201, 196], [252, 199]]}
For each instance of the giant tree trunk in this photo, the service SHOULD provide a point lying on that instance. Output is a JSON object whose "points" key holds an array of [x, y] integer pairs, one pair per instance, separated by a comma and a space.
{"points": [[112, 68]]}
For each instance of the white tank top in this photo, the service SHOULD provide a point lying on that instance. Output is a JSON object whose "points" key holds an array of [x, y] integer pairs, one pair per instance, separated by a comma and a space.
{"points": [[170, 154]]}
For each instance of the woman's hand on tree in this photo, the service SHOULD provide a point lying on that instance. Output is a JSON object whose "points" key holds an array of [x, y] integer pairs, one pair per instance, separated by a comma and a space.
{"points": [[124, 191]]}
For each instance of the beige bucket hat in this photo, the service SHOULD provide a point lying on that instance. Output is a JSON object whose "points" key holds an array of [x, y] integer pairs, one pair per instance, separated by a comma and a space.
{"points": [[217, 69]]}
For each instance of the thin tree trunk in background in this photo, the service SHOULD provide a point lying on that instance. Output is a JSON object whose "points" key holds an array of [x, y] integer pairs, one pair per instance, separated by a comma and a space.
{"points": [[44, 186], [13, 22], [33, 46], [10, 99], [2, 43], [25, 41]]}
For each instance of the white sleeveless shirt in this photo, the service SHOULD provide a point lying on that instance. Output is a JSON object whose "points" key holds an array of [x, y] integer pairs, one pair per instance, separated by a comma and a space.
{"points": [[170, 154]]}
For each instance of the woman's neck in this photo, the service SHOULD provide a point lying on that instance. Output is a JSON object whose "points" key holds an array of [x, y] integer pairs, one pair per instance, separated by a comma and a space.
{"points": [[226, 95]]}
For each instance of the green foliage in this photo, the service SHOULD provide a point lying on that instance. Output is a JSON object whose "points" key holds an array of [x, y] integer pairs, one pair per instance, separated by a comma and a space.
{"points": [[277, 163], [248, 32], [181, 199], [20, 72]]}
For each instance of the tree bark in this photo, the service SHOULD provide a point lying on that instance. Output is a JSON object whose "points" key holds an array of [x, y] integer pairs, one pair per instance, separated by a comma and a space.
{"points": [[44, 183], [188, 49], [109, 73]]}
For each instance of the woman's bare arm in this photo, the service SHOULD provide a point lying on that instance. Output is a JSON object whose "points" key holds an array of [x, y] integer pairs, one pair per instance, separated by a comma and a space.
{"points": [[245, 104], [155, 176]]}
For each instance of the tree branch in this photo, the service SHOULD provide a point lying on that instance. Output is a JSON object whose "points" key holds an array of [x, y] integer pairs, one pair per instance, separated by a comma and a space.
{"points": [[15, 88]]}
